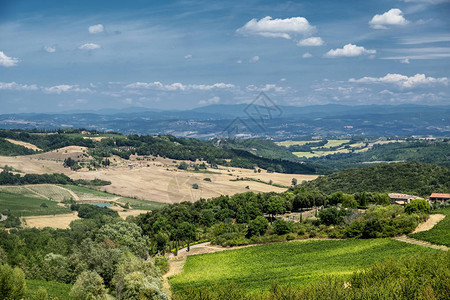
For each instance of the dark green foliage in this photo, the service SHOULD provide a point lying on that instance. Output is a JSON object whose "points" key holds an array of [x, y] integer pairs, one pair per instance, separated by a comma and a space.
{"points": [[258, 226], [282, 227], [415, 178], [440, 233], [12, 283], [8, 178], [88, 211], [331, 216], [432, 152], [378, 222], [9, 149], [418, 206]]}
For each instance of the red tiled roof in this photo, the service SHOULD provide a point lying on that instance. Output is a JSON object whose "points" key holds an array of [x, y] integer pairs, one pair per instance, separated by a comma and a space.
{"points": [[440, 195]]}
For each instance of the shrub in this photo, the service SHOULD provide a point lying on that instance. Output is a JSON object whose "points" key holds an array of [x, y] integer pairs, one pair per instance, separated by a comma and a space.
{"points": [[12, 282], [417, 206], [89, 285], [282, 227]]}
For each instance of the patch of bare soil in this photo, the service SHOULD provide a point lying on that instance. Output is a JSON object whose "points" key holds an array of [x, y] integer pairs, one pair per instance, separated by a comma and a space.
{"points": [[430, 223]]}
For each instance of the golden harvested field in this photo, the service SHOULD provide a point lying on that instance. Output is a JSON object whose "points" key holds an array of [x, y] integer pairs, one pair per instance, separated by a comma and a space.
{"points": [[25, 144], [157, 180], [55, 221]]}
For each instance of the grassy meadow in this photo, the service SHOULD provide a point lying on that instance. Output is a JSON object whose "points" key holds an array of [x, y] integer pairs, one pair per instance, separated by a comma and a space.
{"points": [[256, 268], [440, 233], [54, 289], [25, 204]]}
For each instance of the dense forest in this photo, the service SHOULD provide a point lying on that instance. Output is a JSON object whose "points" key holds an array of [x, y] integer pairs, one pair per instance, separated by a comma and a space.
{"points": [[8, 149], [410, 177]]}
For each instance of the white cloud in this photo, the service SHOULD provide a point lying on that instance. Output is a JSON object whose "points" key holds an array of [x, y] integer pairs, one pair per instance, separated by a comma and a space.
{"points": [[307, 55], [349, 50], [177, 86], [189, 56], [281, 28], [213, 100], [254, 59], [64, 88], [50, 49], [7, 61], [403, 80], [94, 29], [239, 61], [312, 41], [266, 88], [17, 86], [404, 61], [392, 17], [89, 46]]}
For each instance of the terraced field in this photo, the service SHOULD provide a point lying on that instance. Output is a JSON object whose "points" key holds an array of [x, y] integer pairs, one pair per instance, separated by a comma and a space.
{"points": [[292, 263]]}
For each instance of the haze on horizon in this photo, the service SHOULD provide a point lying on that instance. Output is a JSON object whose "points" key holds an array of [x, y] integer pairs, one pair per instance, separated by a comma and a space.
{"points": [[88, 55]]}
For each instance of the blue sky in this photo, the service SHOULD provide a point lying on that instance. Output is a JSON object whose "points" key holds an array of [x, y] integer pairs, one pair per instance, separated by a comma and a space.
{"points": [[58, 56]]}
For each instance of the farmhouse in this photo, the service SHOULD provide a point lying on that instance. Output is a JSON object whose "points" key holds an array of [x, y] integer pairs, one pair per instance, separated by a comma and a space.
{"points": [[439, 197], [401, 199]]}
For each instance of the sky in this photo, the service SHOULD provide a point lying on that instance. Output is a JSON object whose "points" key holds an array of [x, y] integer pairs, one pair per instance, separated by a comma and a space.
{"points": [[88, 55]]}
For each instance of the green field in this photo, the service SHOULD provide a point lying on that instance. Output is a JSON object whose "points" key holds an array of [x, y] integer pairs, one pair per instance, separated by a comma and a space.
{"points": [[300, 143], [293, 263], [25, 204], [319, 153], [51, 191], [87, 194], [54, 289], [141, 204], [440, 233]]}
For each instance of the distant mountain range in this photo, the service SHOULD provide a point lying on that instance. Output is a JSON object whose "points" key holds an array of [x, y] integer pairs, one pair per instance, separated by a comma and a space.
{"points": [[251, 120]]}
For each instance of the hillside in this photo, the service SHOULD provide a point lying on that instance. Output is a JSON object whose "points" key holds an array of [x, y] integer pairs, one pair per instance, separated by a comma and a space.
{"points": [[102, 146], [409, 177]]}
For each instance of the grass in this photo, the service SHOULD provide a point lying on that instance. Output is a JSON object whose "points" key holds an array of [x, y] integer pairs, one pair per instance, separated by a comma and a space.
{"points": [[54, 289], [440, 233], [141, 204], [335, 143], [291, 143], [50, 190], [291, 263], [26, 205], [86, 193]]}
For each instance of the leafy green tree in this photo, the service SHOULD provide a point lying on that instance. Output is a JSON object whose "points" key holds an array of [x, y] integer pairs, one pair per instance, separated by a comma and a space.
{"points": [[126, 234], [162, 240], [282, 227], [274, 206], [330, 216], [138, 286], [294, 181], [382, 199], [349, 201], [89, 285], [133, 287], [12, 283], [40, 294], [418, 206], [257, 226]]}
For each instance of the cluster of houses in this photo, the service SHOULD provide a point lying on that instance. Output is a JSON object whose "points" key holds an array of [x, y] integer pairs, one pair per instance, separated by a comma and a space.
{"points": [[402, 199]]}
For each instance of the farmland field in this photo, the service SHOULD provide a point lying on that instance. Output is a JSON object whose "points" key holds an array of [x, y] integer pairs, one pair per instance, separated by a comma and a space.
{"points": [[27, 204], [51, 191], [54, 289], [440, 233], [294, 263], [89, 194]]}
